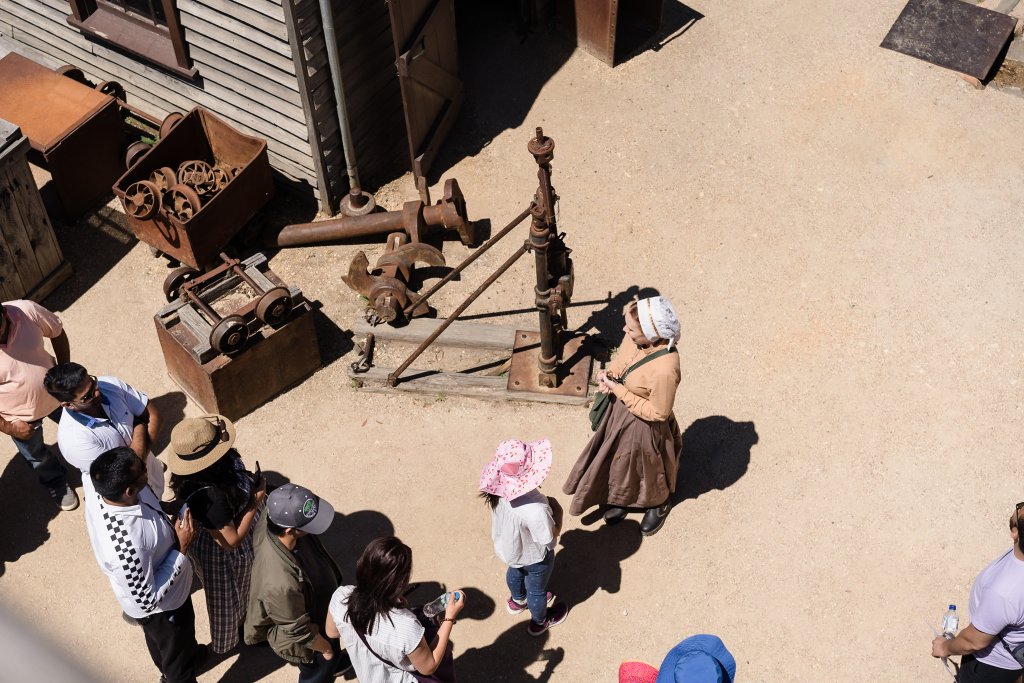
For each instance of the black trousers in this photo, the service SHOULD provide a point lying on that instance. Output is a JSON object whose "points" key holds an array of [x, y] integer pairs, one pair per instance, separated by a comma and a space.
{"points": [[171, 639], [973, 671]]}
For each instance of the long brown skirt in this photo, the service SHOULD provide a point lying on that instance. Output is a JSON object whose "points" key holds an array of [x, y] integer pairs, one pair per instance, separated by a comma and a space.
{"points": [[628, 462]]}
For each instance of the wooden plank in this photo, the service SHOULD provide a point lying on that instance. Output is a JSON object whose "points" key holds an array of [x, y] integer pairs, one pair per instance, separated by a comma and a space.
{"points": [[207, 51], [460, 333], [50, 283], [17, 234], [11, 286], [239, 20], [329, 185], [268, 8], [209, 64], [415, 381], [33, 215], [271, 51]]}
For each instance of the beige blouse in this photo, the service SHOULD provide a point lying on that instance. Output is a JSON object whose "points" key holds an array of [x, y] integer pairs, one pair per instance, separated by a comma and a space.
{"points": [[650, 390]]}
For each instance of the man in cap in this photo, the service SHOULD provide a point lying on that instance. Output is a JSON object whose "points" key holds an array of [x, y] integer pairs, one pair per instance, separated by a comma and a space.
{"points": [[987, 644], [101, 413], [23, 401], [293, 579]]}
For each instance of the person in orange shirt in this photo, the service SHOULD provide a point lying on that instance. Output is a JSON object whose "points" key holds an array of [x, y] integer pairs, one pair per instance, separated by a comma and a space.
{"points": [[24, 402]]}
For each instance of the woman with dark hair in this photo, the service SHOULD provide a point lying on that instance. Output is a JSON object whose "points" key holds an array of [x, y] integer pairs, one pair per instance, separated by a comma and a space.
{"points": [[208, 476], [633, 458], [387, 642]]}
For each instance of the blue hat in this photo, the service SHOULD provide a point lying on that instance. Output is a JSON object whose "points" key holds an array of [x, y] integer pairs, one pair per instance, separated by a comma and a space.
{"points": [[698, 659]]}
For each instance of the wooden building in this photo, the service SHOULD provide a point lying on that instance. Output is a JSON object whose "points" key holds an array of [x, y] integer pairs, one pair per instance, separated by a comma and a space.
{"points": [[262, 65]]}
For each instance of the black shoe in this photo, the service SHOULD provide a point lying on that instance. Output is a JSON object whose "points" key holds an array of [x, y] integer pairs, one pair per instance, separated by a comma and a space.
{"points": [[344, 664], [615, 514], [654, 519]]}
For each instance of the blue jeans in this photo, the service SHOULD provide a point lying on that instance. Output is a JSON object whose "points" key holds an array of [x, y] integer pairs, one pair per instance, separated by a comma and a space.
{"points": [[530, 583], [322, 670], [48, 469]]}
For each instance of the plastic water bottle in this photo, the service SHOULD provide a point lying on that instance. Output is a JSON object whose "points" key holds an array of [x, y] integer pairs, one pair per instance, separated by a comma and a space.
{"points": [[950, 623], [432, 609]]}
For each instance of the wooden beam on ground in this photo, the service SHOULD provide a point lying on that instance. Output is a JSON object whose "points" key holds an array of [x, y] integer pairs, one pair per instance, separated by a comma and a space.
{"points": [[460, 333]]}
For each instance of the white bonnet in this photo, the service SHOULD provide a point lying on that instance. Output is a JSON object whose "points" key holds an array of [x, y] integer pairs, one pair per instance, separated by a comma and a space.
{"points": [[658, 319]]}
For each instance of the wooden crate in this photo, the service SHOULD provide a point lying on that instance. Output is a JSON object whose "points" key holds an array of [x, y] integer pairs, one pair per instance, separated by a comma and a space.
{"points": [[31, 263]]}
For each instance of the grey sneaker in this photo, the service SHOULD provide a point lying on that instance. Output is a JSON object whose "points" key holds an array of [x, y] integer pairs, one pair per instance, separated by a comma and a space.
{"points": [[67, 502]]}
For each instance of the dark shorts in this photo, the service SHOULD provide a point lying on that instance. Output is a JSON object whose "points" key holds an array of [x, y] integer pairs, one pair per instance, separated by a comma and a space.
{"points": [[973, 671]]}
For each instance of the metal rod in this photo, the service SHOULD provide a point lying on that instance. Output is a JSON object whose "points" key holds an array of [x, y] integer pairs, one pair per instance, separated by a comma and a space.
{"points": [[472, 257], [393, 376], [235, 266], [334, 63]]}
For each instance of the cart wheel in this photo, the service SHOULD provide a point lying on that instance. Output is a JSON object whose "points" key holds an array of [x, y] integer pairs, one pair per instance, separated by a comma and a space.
{"points": [[141, 200], [175, 279], [169, 122], [197, 174], [182, 203], [112, 88], [274, 306], [163, 178], [74, 73], [134, 153], [221, 177], [229, 335]]}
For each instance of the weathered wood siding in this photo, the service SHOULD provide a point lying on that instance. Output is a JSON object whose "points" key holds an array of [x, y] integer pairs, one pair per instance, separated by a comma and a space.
{"points": [[372, 94], [240, 48]]}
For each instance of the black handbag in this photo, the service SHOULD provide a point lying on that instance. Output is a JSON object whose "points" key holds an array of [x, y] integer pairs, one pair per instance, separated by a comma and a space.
{"points": [[602, 400]]}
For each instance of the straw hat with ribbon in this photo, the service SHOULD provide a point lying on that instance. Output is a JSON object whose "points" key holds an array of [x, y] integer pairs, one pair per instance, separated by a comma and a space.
{"points": [[198, 442]]}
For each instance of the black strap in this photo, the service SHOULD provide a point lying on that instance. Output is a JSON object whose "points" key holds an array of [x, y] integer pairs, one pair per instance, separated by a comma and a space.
{"points": [[363, 638], [645, 359]]}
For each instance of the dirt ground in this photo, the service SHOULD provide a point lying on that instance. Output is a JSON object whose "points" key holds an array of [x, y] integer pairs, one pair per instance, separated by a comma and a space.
{"points": [[838, 226]]}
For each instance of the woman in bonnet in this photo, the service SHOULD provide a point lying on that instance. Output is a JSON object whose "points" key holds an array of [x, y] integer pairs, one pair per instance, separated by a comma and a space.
{"points": [[633, 457]]}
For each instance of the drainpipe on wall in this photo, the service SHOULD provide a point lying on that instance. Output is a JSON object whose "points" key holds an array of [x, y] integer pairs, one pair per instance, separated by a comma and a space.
{"points": [[356, 202]]}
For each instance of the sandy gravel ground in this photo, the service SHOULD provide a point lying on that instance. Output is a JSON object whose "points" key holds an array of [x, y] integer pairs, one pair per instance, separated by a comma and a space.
{"points": [[839, 227]]}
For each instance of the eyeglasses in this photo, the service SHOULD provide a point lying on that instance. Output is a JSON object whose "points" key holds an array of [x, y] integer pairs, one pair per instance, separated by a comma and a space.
{"points": [[222, 431], [90, 392]]}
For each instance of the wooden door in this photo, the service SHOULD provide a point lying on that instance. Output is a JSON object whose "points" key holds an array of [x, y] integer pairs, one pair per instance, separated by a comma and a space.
{"points": [[427, 58]]}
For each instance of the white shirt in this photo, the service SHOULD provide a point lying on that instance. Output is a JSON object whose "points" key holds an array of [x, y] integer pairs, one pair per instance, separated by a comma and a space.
{"points": [[83, 438], [997, 608], [393, 637], [135, 548], [522, 529]]}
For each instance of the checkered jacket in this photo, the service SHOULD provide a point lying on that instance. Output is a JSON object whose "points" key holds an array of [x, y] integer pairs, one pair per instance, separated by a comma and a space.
{"points": [[135, 548]]}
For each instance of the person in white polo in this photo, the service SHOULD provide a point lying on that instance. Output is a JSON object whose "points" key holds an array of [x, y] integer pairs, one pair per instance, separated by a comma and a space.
{"points": [[101, 413]]}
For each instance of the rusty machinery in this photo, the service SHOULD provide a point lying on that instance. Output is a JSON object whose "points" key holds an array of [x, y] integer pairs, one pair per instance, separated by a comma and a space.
{"points": [[177, 193], [227, 334], [552, 293]]}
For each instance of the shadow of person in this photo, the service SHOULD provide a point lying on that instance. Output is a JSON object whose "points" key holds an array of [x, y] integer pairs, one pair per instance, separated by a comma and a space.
{"points": [[507, 658], [478, 607], [171, 407], [715, 454], [350, 533], [253, 663], [24, 499], [589, 561], [607, 322]]}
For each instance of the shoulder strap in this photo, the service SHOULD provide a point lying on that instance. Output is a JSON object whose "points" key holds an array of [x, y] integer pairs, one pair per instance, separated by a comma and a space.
{"points": [[646, 359]]}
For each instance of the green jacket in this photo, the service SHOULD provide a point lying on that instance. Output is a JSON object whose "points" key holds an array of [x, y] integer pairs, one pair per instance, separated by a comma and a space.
{"points": [[281, 597]]}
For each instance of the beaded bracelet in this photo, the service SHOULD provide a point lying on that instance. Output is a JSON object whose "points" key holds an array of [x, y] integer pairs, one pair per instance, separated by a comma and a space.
{"points": [[448, 619]]}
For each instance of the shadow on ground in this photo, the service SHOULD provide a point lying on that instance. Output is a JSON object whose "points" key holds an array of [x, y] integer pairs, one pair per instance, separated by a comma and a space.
{"points": [[715, 455], [23, 499], [589, 561], [507, 658]]}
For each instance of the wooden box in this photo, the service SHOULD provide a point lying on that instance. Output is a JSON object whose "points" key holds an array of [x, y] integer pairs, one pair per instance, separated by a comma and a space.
{"points": [[274, 360], [31, 263]]}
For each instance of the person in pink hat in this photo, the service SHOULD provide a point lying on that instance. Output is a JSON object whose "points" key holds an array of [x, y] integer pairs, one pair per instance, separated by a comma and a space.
{"points": [[524, 527]]}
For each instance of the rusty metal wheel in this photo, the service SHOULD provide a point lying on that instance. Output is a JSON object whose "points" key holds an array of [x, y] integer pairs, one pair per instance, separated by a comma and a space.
{"points": [[169, 122], [175, 279], [274, 306], [221, 177], [141, 200], [112, 88], [74, 73], [229, 335], [135, 152], [197, 174], [182, 203], [163, 178]]}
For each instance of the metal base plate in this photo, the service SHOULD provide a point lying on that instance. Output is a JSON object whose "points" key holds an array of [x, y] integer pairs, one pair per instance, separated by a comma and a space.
{"points": [[573, 371], [952, 34]]}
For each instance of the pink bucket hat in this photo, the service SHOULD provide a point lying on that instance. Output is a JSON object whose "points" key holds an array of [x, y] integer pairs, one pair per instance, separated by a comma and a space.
{"points": [[637, 672], [517, 468]]}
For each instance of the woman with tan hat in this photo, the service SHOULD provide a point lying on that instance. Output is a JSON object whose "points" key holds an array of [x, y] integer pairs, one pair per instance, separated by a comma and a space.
{"points": [[208, 476], [633, 457]]}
